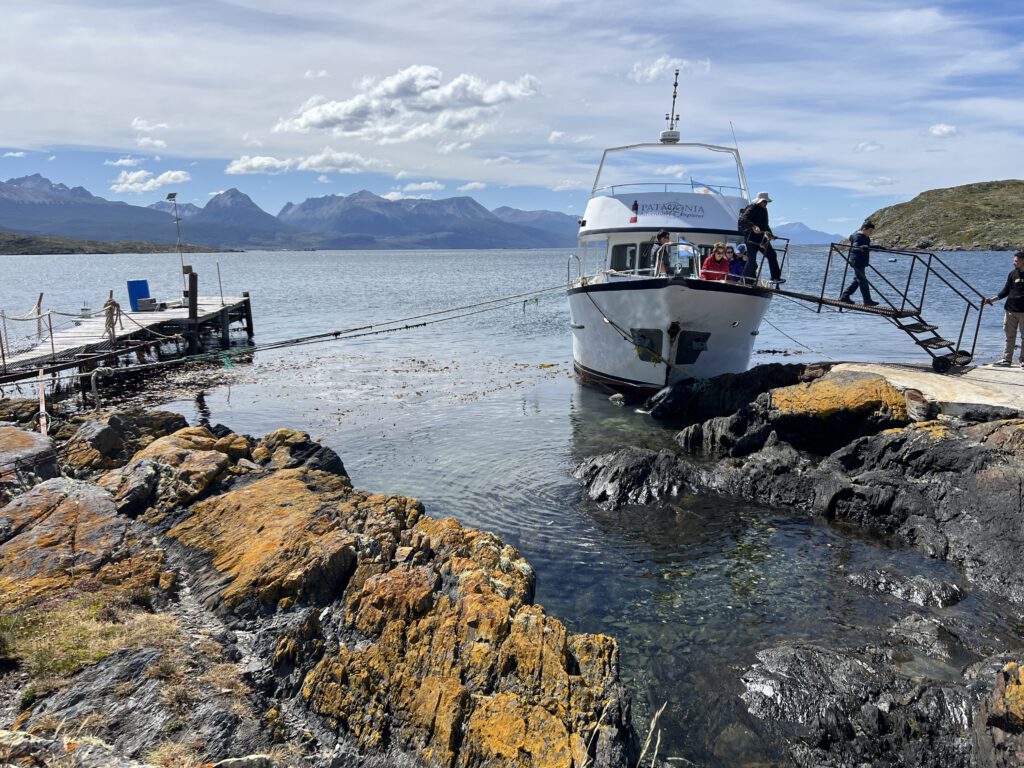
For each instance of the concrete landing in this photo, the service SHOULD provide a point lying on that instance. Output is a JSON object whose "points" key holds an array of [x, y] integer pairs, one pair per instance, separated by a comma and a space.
{"points": [[971, 392]]}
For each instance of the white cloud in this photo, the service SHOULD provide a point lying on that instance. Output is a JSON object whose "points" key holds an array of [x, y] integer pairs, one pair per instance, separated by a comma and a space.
{"points": [[323, 178], [664, 65], [251, 141], [144, 126], [258, 164], [567, 184], [502, 160], [393, 196], [315, 74], [447, 148], [472, 186], [143, 181], [555, 136], [423, 186], [880, 181], [868, 146], [13, 154], [148, 142], [414, 103], [124, 162], [679, 171], [943, 130], [330, 161], [52, 157]]}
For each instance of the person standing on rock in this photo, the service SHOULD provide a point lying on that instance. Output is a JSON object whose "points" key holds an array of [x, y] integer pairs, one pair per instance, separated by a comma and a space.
{"points": [[860, 257], [753, 223], [1013, 320]]}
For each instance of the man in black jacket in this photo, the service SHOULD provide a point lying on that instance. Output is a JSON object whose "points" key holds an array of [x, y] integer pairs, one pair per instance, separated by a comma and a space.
{"points": [[1013, 320], [860, 257], [753, 224]]}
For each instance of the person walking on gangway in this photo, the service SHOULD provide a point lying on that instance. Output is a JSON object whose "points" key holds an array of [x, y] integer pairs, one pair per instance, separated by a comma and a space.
{"points": [[860, 257], [753, 223], [1013, 320]]}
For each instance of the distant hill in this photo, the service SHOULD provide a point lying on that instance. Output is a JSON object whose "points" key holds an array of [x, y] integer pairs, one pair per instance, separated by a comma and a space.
{"points": [[983, 216], [800, 234], [454, 222], [562, 226], [185, 210], [12, 243]]}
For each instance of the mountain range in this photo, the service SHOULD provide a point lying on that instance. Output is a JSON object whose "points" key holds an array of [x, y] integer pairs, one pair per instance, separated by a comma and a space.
{"points": [[34, 205], [37, 206]]}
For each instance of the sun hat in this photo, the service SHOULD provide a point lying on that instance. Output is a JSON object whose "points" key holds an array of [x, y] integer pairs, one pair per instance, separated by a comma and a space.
{"points": [[762, 196]]}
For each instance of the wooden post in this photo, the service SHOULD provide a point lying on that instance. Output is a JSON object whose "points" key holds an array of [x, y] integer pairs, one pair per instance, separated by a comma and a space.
{"points": [[3, 355], [247, 309], [193, 313], [42, 404], [49, 323], [225, 328]]}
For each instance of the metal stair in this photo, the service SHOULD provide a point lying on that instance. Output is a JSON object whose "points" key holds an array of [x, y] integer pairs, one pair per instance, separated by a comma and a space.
{"points": [[903, 306]]}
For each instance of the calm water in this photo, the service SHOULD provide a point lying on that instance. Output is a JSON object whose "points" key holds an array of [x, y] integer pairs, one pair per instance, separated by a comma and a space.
{"points": [[481, 419]]}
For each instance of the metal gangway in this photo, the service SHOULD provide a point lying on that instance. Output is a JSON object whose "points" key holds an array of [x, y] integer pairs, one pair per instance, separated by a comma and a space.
{"points": [[903, 305]]}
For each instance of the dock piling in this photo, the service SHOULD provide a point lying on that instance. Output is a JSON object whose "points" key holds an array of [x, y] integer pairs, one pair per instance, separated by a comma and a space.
{"points": [[193, 313], [247, 309]]}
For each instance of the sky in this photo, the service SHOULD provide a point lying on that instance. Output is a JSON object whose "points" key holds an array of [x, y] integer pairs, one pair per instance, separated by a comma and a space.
{"points": [[837, 108]]}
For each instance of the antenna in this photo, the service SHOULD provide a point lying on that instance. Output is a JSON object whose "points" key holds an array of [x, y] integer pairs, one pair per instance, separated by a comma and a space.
{"points": [[671, 136], [173, 198]]}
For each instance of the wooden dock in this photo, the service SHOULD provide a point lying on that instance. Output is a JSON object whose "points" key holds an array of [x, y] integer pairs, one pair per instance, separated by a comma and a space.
{"points": [[88, 342]]}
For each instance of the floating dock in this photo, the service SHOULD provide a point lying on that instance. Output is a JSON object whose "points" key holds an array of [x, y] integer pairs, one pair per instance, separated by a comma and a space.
{"points": [[90, 342]]}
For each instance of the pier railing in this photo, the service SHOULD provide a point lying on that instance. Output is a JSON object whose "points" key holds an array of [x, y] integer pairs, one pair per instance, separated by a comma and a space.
{"points": [[903, 302]]}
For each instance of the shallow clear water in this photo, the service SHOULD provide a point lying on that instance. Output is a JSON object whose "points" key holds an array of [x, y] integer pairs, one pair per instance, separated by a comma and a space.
{"points": [[481, 419]]}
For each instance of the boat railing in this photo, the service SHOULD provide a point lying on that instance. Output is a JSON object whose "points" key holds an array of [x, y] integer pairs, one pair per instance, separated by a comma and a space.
{"points": [[666, 186]]}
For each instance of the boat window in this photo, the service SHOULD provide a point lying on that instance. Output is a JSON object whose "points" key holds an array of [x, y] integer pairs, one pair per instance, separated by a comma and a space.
{"points": [[624, 257], [646, 262], [647, 342]]}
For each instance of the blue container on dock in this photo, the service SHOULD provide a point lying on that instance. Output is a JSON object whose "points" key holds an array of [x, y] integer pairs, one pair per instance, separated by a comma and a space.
{"points": [[137, 289]]}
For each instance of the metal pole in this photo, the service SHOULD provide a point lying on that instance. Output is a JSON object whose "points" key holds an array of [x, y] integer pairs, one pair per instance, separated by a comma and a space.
{"points": [[219, 285], [3, 355], [49, 322], [173, 197], [42, 404]]}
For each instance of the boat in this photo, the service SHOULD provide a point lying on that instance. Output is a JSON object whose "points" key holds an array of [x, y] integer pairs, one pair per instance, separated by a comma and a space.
{"points": [[636, 331]]}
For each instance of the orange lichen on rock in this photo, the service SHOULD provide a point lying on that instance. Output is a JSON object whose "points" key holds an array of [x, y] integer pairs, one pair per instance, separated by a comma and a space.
{"points": [[838, 392], [507, 731], [277, 537]]}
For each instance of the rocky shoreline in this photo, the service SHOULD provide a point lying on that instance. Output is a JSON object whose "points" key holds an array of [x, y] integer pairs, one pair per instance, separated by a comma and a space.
{"points": [[851, 448], [178, 595]]}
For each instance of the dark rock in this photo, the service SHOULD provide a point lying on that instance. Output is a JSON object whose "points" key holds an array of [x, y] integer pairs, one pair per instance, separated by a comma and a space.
{"points": [[22, 748], [632, 476], [695, 400], [917, 589]]}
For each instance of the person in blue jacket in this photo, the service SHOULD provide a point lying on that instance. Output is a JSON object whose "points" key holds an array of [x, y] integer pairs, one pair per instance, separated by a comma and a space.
{"points": [[860, 257], [1013, 320]]}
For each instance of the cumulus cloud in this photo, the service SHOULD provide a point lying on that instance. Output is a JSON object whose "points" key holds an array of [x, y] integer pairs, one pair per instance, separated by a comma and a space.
{"points": [[446, 148], [52, 157], [664, 66], [144, 126], [13, 154], [555, 136], [148, 142], [503, 160], [315, 74], [393, 196], [423, 186], [124, 162], [323, 178], [331, 161], [867, 146], [144, 181], [258, 164], [567, 184], [943, 130], [472, 186], [414, 103]]}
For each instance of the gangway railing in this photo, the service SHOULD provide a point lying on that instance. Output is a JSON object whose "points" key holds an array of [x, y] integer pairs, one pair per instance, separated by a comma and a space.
{"points": [[903, 305]]}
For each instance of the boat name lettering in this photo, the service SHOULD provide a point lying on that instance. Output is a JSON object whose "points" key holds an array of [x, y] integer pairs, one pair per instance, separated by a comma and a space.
{"points": [[675, 209]]}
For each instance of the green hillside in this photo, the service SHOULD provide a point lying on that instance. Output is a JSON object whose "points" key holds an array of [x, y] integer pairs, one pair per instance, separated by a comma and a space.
{"points": [[12, 243], [988, 216]]}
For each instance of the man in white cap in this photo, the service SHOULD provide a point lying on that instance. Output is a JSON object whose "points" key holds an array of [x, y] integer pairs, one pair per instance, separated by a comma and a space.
{"points": [[753, 224]]}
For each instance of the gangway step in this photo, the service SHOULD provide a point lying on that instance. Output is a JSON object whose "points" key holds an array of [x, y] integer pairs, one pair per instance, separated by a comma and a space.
{"points": [[935, 342], [917, 327]]}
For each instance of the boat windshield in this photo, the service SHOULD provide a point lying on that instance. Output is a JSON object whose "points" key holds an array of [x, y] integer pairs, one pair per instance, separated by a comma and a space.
{"points": [[703, 168]]}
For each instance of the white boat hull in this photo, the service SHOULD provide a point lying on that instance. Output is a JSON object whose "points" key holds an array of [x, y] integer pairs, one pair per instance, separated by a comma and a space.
{"points": [[686, 328]]}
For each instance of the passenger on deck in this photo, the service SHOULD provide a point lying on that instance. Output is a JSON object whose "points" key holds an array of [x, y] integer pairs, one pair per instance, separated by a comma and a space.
{"points": [[753, 223], [737, 262], [660, 253], [716, 265]]}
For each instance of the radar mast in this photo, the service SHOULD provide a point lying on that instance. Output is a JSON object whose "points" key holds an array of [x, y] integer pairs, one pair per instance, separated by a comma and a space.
{"points": [[671, 136]]}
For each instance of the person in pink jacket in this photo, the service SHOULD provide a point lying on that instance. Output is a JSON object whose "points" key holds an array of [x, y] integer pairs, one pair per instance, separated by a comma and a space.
{"points": [[716, 265]]}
